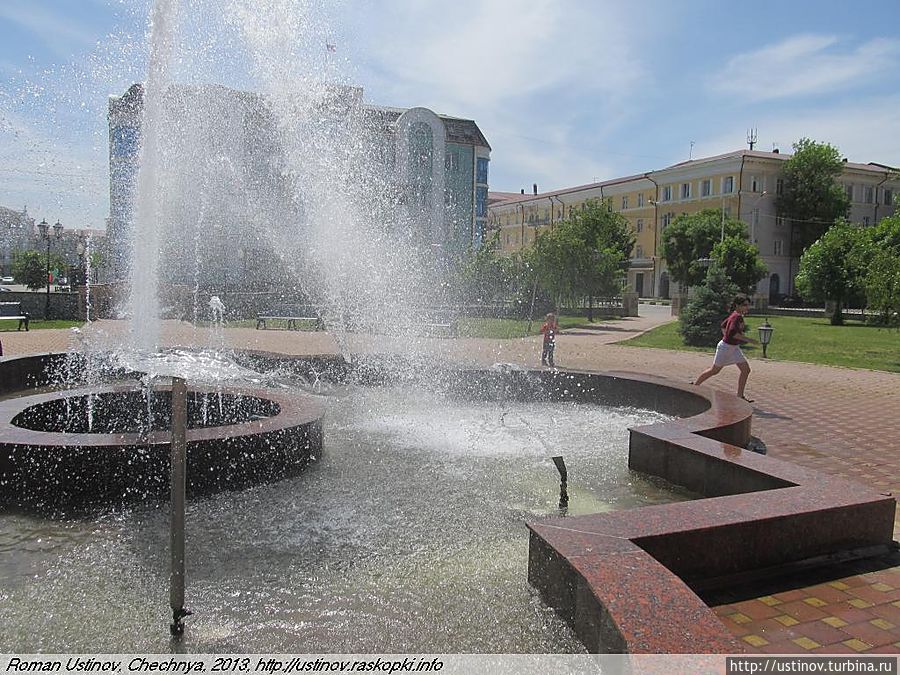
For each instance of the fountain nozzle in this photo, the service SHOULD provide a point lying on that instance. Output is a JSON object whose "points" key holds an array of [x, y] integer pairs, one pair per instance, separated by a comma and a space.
{"points": [[177, 625]]}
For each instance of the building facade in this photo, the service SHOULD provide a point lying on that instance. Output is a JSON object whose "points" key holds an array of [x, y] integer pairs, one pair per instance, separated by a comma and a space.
{"points": [[17, 231], [436, 166], [743, 184]]}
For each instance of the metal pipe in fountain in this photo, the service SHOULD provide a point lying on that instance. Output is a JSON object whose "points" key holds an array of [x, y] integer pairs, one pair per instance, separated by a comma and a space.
{"points": [[563, 477], [176, 530]]}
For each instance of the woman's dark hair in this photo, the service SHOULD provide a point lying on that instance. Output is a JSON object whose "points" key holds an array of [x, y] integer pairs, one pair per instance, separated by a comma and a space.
{"points": [[738, 301]]}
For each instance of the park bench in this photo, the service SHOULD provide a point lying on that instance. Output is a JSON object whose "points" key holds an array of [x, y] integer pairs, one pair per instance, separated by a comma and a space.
{"points": [[12, 311], [439, 322], [291, 316]]}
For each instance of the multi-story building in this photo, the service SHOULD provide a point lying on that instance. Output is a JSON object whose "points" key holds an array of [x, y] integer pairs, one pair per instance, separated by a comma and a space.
{"points": [[19, 233], [16, 233], [436, 165], [742, 184]]}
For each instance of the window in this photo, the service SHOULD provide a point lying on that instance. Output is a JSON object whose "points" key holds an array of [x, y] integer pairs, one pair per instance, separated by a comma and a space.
{"points": [[779, 186], [481, 175], [779, 246], [705, 188], [849, 188], [481, 202], [666, 219], [624, 202], [667, 193], [888, 197], [728, 185], [451, 161], [640, 225], [640, 199], [865, 221], [685, 190], [755, 184], [780, 221], [869, 194], [639, 252]]}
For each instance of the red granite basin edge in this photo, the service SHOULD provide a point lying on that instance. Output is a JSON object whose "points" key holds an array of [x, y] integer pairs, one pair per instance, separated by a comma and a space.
{"points": [[622, 579]]}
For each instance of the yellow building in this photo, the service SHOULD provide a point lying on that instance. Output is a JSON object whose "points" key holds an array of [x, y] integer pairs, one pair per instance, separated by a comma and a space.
{"points": [[744, 184]]}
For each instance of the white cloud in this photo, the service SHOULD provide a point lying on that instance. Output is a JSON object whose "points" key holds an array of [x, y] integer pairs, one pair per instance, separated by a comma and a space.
{"points": [[805, 65], [497, 51]]}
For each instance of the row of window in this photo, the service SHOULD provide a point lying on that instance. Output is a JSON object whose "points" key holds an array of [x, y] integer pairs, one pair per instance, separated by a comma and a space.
{"points": [[726, 187], [869, 194]]}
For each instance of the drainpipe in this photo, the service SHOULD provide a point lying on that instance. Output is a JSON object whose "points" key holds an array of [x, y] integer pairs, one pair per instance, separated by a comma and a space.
{"points": [[875, 214], [655, 228], [740, 185], [562, 205], [522, 241]]}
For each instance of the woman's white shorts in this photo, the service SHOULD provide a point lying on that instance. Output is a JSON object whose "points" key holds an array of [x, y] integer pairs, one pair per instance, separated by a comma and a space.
{"points": [[727, 354]]}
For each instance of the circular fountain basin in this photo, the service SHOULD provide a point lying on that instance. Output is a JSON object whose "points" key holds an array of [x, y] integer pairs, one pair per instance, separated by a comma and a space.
{"points": [[111, 444]]}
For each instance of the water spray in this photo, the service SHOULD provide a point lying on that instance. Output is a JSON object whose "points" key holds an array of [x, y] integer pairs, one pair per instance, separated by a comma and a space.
{"points": [[563, 476]]}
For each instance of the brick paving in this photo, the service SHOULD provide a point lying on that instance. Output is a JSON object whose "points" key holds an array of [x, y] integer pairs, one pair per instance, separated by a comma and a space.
{"points": [[837, 420]]}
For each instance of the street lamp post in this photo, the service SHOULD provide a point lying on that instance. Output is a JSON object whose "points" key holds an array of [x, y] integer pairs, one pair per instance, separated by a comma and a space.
{"points": [[44, 229], [765, 335]]}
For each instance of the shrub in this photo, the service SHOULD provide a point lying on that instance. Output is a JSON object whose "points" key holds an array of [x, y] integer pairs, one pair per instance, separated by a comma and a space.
{"points": [[702, 317]]}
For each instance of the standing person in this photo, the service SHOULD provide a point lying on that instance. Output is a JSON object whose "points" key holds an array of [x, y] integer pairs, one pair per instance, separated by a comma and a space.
{"points": [[549, 328], [728, 351]]}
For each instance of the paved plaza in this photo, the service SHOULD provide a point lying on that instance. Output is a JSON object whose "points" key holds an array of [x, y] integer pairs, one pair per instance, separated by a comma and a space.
{"points": [[840, 421]]}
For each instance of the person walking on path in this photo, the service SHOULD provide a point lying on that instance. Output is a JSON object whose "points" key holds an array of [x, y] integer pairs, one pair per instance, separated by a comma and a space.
{"points": [[549, 329], [728, 351]]}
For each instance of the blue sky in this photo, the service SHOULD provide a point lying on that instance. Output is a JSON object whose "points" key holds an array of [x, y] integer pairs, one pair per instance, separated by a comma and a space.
{"points": [[566, 91]]}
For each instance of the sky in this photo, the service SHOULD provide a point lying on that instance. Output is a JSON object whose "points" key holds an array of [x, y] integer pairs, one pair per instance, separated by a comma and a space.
{"points": [[567, 92]]}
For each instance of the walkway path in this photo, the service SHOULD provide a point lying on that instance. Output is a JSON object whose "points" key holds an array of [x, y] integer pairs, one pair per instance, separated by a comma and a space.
{"points": [[837, 420]]}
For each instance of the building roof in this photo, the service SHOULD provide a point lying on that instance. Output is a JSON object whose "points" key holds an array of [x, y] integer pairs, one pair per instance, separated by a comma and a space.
{"points": [[459, 130], [13, 218], [518, 197], [759, 154], [736, 155]]}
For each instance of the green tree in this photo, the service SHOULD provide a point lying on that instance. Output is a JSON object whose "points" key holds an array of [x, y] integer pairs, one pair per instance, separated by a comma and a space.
{"points": [[831, 269], [812, 199], [30, 268], [486, 277], [701, 318], [741, 263], [687, 243], [882, 284], [881, 278], [584, 256]]}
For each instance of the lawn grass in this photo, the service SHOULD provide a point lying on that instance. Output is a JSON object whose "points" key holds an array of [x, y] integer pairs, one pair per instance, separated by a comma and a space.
{"points": [[39, 324], [853, 345]]}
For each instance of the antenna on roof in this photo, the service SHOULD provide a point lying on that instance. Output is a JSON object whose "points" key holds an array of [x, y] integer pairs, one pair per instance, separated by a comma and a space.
{"points": [[751, 137], [691, 153]]}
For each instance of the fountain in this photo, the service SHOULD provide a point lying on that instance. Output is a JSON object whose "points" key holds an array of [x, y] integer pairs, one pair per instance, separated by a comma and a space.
{"points": [[407, 531], [326, 500]]}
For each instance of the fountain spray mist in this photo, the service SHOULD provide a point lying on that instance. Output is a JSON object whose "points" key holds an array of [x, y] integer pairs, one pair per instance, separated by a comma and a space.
{"points": [[144, 265], [293, 181]]}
